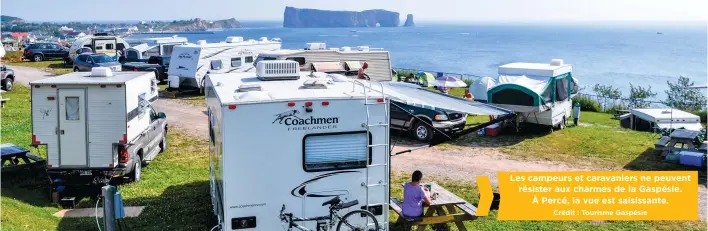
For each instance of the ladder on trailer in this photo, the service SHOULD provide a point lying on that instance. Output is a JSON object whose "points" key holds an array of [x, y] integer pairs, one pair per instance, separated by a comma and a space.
{"points": [[385, 145]]}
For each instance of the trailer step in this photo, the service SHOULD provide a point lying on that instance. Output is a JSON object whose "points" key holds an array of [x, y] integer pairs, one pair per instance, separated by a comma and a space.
{"points": [[378, 125]]}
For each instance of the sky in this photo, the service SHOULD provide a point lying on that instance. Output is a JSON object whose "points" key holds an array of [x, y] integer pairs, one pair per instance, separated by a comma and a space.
{"points": [[423, 10]]}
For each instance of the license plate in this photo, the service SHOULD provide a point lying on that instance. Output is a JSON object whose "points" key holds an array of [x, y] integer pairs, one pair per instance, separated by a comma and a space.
{"points": [[85, 172]]}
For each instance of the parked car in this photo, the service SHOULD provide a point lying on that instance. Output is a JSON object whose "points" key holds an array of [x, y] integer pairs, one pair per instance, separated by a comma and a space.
{"points": [[157, 64], [7, 76], [45, 51], [402, 118], [85, 62]]}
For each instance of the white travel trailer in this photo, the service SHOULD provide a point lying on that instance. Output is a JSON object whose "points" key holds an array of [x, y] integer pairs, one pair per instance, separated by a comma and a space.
{"points": [[539, 93], [282, 138], [189, 64], [344, 60], [142, 49], [104, 44], [85, 118]]}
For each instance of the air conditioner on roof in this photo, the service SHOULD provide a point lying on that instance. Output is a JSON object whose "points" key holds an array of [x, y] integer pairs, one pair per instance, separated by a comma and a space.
{"points": [[278, 70], [234, 39], [315, 46]]}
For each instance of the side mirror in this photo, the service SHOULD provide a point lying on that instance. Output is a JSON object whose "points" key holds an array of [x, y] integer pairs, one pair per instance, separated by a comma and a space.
{"points": [[161, 115]]}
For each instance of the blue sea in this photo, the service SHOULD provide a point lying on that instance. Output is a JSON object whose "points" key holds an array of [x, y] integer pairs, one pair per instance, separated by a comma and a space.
{"points": [[645, 54]]}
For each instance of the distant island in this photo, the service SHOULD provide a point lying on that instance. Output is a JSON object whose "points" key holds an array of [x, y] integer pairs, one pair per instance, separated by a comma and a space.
{"points": [[304, 18]]}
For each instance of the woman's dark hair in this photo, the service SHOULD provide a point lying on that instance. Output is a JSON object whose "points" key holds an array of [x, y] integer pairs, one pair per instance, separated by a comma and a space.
{"points": [[417, 175]]}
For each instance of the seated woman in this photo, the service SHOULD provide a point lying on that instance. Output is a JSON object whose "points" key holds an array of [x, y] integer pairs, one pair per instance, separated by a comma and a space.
{"points": [[414, 195]]}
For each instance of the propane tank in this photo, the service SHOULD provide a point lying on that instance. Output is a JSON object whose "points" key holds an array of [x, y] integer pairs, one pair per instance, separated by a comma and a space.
{"points": [[576, 113]]}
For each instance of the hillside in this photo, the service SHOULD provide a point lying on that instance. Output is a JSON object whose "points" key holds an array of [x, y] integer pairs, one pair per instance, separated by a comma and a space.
{"points": [[199, 25], [10, 19]]}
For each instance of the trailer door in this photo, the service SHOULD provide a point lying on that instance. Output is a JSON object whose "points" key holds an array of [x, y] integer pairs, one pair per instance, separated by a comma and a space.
{"points": [[72, 127]]}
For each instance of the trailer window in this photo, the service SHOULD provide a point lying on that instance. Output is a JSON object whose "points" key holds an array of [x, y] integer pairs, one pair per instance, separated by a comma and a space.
{"points": [[109, 46], [300, 60], [325, 152], [236, 62], [249, 59], [72, 108]]}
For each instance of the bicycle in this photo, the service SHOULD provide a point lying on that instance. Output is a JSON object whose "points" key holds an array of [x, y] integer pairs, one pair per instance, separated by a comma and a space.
{"points": [[325, 223]]}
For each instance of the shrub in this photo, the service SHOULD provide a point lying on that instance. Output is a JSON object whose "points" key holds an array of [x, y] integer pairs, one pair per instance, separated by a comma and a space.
{"points": [[587, 104], [680, 95], [638, 96], [469, 82], [12, 56]]}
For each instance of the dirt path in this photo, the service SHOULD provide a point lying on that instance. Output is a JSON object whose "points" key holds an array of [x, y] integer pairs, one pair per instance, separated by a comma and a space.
{"points": [[456, 163]]}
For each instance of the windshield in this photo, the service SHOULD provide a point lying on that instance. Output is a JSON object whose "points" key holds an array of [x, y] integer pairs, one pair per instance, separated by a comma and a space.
{"points": [[260, 57], [101, 59]]}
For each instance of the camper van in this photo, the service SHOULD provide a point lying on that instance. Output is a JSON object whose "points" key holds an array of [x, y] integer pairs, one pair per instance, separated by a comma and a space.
{"points": [[539, 93], [189, 64], [97, 124], [104, 44], [344, 60], [281, 140], [142, 49]]}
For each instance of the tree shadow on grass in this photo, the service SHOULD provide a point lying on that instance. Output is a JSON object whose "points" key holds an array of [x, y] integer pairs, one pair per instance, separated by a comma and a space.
{"points": [[651, 160], [58, 66], [29, 185], [179, 207]]}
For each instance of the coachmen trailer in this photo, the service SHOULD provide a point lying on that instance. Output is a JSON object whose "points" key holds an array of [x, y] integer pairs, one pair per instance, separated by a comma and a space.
{"points": [[292, 142], [190, 63], [539, 93], [97, 124], [345, 60]]}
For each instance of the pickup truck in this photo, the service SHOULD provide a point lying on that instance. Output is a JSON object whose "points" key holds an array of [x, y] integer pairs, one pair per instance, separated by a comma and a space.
{"points": [[157, 64], [418, 121]]}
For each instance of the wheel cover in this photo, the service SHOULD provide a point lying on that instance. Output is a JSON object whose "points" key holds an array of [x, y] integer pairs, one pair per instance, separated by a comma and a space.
{"points": [[421, 132], [37, 58], [8, 85]]}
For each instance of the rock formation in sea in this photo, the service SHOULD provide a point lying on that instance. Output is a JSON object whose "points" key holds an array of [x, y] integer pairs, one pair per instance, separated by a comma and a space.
{"points": [[409, 20], [296, 17]]}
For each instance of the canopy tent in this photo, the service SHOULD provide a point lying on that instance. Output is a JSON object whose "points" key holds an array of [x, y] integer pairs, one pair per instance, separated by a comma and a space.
{"points": [[479, 88], [529, 87], [425, 78], [415, 95]]}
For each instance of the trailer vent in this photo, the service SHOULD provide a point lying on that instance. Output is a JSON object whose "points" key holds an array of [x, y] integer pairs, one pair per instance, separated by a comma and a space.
{"points": [[249, 87], [278, 70], [234, 39], [316, 83], [101, 72]]}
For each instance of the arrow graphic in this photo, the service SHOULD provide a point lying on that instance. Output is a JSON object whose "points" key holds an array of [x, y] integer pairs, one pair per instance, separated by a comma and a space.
{"points": [[485, 196]]}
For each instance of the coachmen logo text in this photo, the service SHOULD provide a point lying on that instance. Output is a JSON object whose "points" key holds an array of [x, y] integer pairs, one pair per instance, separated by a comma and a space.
{"points": [[295, 123]]}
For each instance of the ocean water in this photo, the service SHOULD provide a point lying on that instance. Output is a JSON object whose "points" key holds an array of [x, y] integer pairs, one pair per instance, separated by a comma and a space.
{"points": [[606, 54]]}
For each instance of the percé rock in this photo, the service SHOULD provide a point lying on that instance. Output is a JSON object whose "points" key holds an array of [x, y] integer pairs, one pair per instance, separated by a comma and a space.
{"points": [[297, 18], [409, 20]]}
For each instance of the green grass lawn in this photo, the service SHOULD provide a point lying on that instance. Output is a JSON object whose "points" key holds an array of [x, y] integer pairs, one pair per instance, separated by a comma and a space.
{"points": [[469, 192], [54, 66]]}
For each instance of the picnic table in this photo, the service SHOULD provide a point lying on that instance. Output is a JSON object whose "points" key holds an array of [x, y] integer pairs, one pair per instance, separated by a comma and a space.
{"points": [[458, 210], [12, 154], [683, 137]]}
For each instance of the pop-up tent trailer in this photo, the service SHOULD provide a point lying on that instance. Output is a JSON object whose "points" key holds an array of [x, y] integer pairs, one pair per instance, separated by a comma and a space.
{"points": [[539, 93], [651, 119]]}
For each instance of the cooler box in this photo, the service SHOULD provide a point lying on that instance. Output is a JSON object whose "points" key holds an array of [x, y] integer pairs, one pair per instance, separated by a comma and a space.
{"points": [[695, 159], [492, 130]]}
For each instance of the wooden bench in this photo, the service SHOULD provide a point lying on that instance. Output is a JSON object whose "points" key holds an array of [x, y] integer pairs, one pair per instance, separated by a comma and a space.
{"points": [[3, 101], [661, 144], [395, 204]]}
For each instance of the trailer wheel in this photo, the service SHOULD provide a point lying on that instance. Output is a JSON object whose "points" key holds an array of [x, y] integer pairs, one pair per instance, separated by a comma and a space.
{"points": [[421, 131], [137, 170]]}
